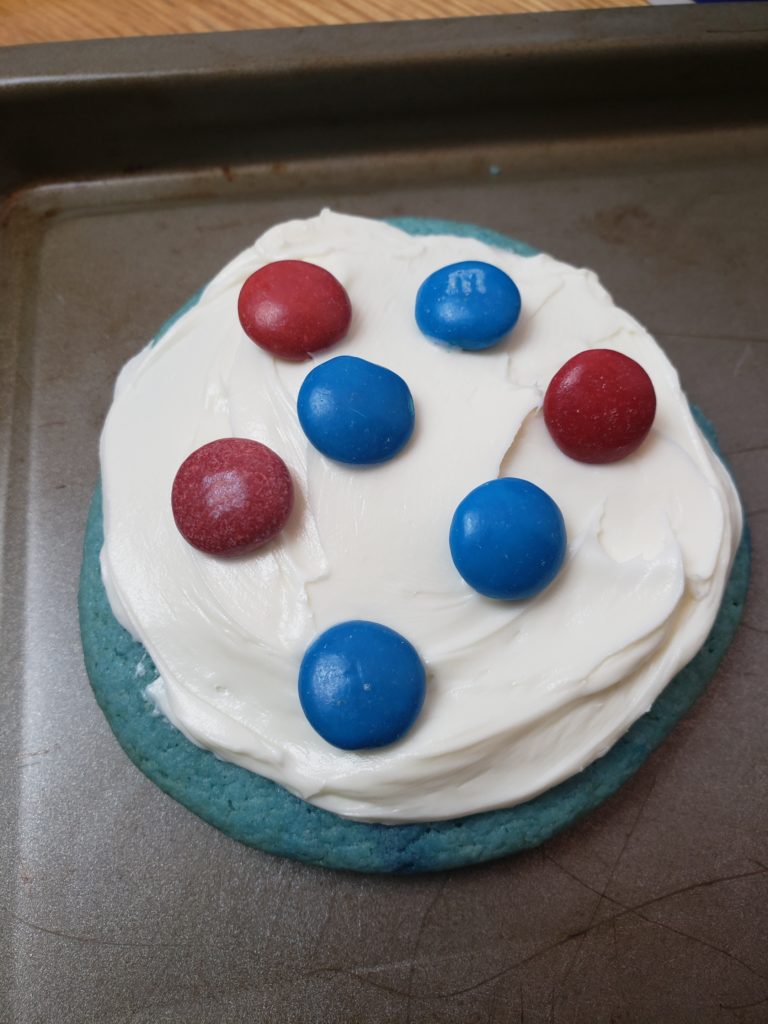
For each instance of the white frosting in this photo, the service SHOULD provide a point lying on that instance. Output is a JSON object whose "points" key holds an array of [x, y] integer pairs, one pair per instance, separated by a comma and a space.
{"points": [[520, 695]]}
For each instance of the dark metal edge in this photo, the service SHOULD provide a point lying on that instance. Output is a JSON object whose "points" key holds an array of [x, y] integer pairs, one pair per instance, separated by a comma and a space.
{"points": [[630, 29], [119, 106]]}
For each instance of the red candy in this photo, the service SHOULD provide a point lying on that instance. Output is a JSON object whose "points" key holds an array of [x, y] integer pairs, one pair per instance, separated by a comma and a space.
{"points": [[292, 309], [231, 496], [599, 406]]}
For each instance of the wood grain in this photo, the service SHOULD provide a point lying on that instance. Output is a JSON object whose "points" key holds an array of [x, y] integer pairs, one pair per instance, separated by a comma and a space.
{"points": [[22, 21]]}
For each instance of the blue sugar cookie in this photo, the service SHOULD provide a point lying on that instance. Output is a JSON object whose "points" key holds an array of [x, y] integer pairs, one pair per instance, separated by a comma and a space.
{"points": [[261, 813]]}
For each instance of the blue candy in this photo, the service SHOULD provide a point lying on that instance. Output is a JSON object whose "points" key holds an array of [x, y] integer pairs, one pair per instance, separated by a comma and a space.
{"points": [[355, 411], [470, 305], [508, 539], [361, 685]]}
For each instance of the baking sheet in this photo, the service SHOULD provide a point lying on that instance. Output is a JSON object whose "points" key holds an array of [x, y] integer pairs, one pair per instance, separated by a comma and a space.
{"points": [[118, 905]]}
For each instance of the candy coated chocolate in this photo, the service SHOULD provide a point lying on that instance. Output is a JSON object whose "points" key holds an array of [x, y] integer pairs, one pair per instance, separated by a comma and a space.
{"points": [[599, 406], [469, 305], [355, 411], [361, 685], [292, 308], [231, 496], [507, 539]]}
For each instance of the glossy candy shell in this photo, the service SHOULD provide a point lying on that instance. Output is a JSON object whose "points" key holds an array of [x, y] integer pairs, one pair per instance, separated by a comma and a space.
{"points": [[599, 406], [470, 305], [508, 539], [293, 308], [361, 685], [355, 411]]}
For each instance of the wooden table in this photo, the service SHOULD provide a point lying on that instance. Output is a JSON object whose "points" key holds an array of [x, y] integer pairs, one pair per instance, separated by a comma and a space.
{"points": [[46, 20]]}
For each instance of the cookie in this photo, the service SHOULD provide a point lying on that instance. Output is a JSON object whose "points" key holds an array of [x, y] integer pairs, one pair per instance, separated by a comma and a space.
{"points": [[261, 813]]}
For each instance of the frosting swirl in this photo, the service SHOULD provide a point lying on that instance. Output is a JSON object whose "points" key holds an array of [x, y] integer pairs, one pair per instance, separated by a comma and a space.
{"points": [[520, 695]]}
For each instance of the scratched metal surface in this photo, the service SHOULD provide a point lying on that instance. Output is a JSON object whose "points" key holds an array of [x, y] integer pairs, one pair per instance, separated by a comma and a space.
{"points": [[119, 905]]}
